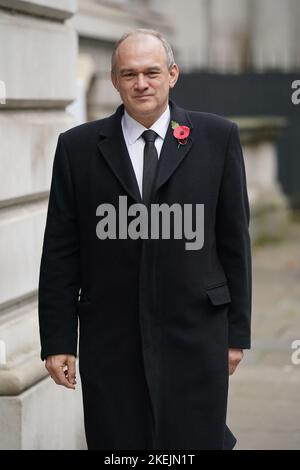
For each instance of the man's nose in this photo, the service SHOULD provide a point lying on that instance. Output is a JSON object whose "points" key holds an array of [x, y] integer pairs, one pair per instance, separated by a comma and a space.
{"points": [[141, 82]]}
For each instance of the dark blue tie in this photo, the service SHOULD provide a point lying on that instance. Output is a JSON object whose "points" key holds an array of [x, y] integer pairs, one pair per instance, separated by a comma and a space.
{"points": [[150, 164]]}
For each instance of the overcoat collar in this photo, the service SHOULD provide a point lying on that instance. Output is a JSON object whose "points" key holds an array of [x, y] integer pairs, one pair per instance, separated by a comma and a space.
{"points": [[113, 148]]}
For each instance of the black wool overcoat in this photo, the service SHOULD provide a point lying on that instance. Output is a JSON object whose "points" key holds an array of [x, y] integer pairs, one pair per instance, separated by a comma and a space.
{"points": [[155, 319]]}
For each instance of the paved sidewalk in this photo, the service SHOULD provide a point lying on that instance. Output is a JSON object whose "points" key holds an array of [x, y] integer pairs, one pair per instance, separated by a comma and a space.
{"points": [[264, 399]]}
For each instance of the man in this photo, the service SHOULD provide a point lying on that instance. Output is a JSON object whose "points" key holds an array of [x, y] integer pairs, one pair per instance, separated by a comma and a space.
{"points": [[161, 326]]}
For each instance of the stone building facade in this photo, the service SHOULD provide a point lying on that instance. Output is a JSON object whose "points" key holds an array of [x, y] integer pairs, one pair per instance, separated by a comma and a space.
{"points": [[54, 73]]}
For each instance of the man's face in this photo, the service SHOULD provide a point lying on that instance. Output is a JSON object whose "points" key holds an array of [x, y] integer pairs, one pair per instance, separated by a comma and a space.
{"points": [[142, 77]]}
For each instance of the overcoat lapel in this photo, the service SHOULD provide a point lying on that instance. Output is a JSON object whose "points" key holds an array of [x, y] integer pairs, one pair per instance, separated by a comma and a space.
{"points": [[113, 148], [171, 154]]}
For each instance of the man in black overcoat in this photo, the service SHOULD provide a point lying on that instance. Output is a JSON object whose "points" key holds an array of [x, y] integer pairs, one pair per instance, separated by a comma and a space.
{"points": [[163, 320]]}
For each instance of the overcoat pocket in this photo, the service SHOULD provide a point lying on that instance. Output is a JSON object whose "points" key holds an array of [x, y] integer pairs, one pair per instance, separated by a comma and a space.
{"points": [[219, 295]]}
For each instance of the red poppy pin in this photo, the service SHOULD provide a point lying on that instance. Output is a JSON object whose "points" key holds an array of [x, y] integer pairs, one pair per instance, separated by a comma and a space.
{"points": [[180, 133]]}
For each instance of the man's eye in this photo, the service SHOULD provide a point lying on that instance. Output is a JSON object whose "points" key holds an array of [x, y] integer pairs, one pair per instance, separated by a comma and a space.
{"points": [[153, 74]]}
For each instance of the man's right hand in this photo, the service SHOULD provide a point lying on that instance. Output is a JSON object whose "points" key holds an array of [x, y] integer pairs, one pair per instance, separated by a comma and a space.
{"points": [[62, 369]]}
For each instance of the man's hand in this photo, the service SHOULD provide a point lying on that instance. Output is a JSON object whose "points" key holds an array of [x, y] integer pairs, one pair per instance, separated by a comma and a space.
{"points": [[235, 357], [62, 369]]}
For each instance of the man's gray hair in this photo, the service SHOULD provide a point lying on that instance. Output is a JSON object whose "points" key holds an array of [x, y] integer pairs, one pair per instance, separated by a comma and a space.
{"points": [[149, 32]]}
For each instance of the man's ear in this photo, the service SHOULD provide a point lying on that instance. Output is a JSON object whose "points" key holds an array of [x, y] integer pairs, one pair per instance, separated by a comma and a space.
{"points": [[114, 81], [174, 74]]}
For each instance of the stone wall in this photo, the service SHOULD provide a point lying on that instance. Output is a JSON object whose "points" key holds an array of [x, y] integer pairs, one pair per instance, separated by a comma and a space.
{"points": [[38, 54]]}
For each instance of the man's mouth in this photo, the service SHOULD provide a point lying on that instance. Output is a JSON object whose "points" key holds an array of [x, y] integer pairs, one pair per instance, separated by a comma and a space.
{"points": [[143, 97]]}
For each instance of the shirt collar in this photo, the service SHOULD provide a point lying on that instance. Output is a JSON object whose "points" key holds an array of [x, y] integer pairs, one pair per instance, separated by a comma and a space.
{"points": [[134, 129]]}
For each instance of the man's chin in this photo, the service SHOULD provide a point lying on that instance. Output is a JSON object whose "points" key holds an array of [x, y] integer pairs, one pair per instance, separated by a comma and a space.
{"points": [[147, 101], [145, 106]]}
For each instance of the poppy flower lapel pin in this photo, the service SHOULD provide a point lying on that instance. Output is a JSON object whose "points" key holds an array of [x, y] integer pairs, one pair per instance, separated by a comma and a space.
{"points": [[180, 133]]}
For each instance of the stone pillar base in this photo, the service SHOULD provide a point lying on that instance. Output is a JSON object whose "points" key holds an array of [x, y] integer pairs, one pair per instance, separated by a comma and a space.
{"points": [[44, 417], [269, 206], [269, 219]]}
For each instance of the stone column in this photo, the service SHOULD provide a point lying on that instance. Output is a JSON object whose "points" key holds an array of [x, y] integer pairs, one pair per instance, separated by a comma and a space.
{"points": [[275, 34], [38, 52], [269, 206], [229, 35]]}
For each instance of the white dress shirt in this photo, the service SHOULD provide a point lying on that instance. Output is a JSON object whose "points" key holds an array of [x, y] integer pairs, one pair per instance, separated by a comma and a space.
{"points": [[132, 131]]}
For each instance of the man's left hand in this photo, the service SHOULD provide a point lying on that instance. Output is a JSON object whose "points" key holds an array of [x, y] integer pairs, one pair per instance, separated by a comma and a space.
{"points": [[234, 358]]}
